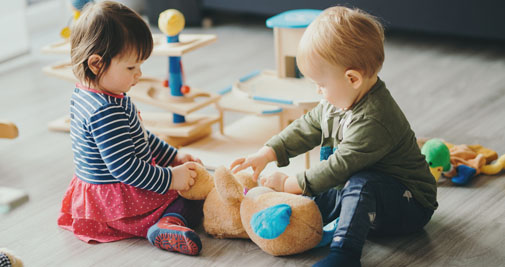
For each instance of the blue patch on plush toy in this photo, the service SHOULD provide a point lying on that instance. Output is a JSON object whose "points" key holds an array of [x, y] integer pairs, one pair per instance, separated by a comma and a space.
{"points": [[328, 231], [271, 222], [465, 173]]}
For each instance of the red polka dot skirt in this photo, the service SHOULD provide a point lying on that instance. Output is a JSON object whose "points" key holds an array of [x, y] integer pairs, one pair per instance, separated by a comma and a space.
{"points": [[111, 212]]}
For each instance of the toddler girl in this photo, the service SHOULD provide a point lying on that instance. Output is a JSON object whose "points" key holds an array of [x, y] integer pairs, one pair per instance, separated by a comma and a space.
{"points": [[122, 185]]}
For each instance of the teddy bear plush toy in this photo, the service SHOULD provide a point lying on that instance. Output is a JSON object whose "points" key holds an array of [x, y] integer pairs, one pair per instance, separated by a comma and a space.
{"points": [[235, 207]]}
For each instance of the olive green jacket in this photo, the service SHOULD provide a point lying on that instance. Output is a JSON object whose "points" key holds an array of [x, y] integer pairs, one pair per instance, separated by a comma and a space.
{"points": [[373, 135]]}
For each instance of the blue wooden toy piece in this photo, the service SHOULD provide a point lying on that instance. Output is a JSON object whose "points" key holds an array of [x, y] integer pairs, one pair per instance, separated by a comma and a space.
{"points": [[175, 77], [79, 4], [171, 22], [297, 18]]}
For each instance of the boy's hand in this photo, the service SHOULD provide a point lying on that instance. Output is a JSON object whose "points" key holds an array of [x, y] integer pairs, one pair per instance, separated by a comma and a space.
{"points": [[182, 158], [183, 176], [275, 181], [257, 161]]}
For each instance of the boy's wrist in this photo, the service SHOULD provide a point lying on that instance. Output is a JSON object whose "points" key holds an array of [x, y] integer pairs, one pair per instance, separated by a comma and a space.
{"points": [[291, 186], [268, 153]]}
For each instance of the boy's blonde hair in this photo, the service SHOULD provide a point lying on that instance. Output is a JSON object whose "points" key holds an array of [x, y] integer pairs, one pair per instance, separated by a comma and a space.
{"points": [[107, 29], [344, 37]]}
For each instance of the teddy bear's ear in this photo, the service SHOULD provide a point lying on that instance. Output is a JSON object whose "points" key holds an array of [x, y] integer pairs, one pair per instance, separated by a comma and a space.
{"points": [[245, 178], [204, 183], [227, 186]]}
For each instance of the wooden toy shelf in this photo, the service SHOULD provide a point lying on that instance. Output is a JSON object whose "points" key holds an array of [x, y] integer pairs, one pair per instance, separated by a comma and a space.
{"points": [[187, 43], [151, 91]]}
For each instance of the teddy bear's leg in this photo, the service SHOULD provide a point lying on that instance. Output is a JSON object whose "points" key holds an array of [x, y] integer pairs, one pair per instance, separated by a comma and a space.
{"points": [[170, 233]]}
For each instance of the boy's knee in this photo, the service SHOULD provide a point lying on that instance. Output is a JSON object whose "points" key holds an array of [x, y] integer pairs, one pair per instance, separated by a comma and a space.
{"points": [[360, 180]]}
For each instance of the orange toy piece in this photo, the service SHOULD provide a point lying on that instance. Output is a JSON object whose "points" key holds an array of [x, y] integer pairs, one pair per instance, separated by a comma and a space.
{"points": [[185, 89], [489, 154], [475, 156]]}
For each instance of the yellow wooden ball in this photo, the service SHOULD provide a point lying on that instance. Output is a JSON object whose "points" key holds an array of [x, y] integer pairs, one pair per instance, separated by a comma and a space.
{"points": [[65, 32], [171, 22]]}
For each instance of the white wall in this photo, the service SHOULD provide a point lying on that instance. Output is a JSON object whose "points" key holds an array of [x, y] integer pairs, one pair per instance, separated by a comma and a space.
{"points": [[13, 29]]}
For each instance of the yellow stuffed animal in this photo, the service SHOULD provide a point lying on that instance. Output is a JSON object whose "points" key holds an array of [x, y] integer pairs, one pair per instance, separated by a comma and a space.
{"points": [[279, 223]]}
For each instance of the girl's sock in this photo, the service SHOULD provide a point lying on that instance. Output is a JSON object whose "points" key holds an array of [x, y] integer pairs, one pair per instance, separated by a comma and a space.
{"points": [[170, 233], [339, 257]]}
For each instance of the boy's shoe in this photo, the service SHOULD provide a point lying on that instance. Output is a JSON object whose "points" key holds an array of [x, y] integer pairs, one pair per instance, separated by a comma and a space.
{"points": [[170, 233]]}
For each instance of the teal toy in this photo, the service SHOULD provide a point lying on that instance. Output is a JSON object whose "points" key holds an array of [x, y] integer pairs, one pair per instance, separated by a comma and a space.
{"points": [[328, 231]]}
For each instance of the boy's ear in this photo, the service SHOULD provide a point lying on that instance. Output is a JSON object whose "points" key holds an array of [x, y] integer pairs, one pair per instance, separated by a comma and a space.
{"points": [[354, 77], [95, 63]]}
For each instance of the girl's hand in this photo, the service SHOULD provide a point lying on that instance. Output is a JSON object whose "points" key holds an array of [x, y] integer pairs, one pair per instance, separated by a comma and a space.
{"points": [[183, 176], [275, 181], [182, 158], [257, 161]]}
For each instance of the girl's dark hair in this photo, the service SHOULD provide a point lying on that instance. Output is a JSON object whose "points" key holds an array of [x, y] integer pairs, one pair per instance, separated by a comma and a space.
{"points": [[107, 29]]}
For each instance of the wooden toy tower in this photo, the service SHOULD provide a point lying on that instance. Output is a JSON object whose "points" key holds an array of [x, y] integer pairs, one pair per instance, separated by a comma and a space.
{"points": [[288, 29], [282, 92], [179, 125], [284, 88], [181, 100]]}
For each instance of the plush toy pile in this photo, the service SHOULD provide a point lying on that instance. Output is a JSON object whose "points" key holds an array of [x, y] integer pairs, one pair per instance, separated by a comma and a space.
{"points": [[235, 207], [460, 163]]}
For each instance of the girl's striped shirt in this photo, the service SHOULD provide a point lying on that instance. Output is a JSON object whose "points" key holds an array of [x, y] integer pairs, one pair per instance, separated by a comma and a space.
{"points": [[110, 144]]}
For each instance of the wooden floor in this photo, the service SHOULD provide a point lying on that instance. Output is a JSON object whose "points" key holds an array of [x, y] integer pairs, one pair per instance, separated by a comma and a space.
{"points": [[453, 89]]}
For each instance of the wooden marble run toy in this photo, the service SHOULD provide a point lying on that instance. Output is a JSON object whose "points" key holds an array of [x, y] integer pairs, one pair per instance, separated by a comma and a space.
{"points": [[179, 126], [287, 93], [282, 92], [180, 99]]}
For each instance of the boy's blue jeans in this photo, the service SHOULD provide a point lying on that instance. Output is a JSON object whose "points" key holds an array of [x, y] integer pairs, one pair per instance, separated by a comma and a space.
{"points": [[370, 201]]}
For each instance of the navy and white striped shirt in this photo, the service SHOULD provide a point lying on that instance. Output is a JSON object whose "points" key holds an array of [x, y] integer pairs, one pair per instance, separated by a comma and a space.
{"points": [[110, 144]]}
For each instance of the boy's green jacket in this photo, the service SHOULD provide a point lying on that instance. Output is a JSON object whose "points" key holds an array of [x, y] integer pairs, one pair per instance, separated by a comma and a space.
{"points": [[373, 134]]}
